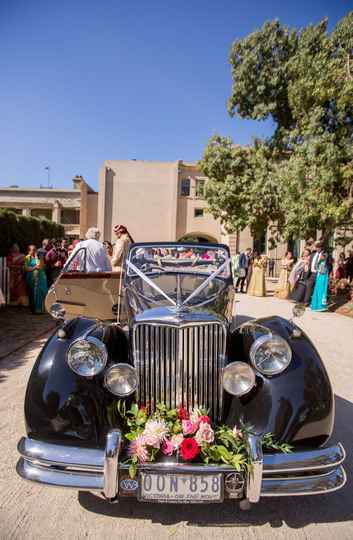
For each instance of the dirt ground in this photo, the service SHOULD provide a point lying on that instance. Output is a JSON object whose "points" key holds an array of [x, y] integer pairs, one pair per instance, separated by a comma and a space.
{"points": [[29, 511]]}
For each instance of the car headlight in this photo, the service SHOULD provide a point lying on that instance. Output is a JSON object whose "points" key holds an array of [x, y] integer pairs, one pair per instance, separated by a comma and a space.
{"points": [[87, 356], [270, 354], [238, 378], [121, 380]]}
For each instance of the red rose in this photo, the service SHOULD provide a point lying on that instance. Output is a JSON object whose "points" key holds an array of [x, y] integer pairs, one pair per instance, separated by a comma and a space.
{"points": [[183, 413], [189, 449], [205, 419]]}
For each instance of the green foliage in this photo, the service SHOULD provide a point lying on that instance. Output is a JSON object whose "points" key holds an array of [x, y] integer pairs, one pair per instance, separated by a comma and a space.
{"points": [[25, 230], [229, 446], [301, 179]]}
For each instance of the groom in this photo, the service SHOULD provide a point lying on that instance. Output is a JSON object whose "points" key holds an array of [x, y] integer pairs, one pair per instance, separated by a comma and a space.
{"points": [[314, 260]]}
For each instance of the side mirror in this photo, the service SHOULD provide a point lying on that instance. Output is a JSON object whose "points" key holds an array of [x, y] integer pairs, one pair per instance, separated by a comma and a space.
{"points": [[298, 311], [57, 311]]}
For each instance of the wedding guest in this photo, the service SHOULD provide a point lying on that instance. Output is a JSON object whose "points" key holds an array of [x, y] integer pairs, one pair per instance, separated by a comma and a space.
{"points": [[120, 247], [18, 292], [314, 259], [340, 267], [297, 268], [242, 269], [319, 297], [349, 266], [55, 261], [109, 247], [283, 287], [257, 285], [36, 280], [302, 272], [90, 255], [271, 267]]}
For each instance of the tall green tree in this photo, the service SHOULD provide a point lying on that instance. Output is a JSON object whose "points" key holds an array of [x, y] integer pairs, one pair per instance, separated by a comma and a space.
{"points": [[301, 178]]}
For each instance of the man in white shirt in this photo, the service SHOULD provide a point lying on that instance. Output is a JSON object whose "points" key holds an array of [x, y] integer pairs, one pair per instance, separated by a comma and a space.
{"points": [[93, 258], [314, 260]]}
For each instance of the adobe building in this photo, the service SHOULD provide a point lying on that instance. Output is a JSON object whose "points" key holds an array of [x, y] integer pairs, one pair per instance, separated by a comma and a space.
{"points": [[156, 200], [75, 209], [164, 201]]}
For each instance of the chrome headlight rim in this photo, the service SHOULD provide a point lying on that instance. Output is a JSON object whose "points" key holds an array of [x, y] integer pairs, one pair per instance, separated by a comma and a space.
{"points": [[263, 340], [114, 367], [251, 374], [100, 346]]}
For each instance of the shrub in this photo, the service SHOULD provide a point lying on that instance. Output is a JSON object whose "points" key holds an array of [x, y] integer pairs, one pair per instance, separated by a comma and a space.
{"points": [[24, 230]]}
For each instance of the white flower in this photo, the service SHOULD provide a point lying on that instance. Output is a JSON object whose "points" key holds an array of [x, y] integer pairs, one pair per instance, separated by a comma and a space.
{"points": [[177, 440], [194, 416], [237, 433], [155, 433], [205, 434]]}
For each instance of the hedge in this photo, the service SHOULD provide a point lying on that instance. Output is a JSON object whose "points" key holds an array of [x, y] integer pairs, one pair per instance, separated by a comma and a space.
{"points": [[24, 230]]}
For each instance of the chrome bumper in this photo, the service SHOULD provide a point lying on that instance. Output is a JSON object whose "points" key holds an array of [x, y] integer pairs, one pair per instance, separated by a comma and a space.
{"points": [[299, 473]]}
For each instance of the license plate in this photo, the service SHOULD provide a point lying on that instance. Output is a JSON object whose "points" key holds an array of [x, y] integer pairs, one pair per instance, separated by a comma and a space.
{"points": [[181, 487]]}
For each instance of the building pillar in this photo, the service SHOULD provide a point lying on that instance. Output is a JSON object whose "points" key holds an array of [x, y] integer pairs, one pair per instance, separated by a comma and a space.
{"points": [[56, 216], [26, 212]]}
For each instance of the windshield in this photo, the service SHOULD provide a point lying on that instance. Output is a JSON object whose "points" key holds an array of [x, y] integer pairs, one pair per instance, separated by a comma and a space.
{"points": [[177, 258]]}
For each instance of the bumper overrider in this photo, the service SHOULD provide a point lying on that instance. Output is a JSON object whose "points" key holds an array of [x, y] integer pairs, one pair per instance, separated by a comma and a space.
{"points": [[311, 472]]}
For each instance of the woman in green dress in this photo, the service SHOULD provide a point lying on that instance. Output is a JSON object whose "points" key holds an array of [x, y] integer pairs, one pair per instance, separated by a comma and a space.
{"points": [[36, 280]]}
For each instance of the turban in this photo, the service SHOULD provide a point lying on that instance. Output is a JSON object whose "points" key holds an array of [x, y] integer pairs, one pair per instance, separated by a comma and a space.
{"points": [[120, 229]]}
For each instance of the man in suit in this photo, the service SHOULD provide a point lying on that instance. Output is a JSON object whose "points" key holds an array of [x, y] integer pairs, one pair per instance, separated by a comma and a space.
{"points": [[314, 260], [243, 267]]}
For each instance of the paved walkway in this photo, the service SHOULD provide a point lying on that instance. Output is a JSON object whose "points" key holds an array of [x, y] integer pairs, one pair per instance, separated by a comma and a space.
{"points": [[34, 512], [18, 326]]}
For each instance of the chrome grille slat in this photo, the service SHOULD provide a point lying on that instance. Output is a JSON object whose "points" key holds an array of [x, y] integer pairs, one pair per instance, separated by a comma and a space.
{"points": [[180, 365]]}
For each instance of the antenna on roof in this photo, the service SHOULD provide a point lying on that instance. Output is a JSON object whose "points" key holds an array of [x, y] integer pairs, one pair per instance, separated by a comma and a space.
{"points": [[49, 185]]}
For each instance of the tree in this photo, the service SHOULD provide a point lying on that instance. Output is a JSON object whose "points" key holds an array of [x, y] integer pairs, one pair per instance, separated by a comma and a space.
{"points": [[301, 178]]}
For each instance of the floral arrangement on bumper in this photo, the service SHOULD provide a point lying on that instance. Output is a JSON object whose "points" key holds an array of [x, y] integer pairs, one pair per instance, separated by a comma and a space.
{"points": [[187, 435]]}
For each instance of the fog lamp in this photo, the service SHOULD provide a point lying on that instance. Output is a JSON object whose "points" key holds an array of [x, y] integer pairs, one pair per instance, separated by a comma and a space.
{"points": [[121, 380], [238, 378]]}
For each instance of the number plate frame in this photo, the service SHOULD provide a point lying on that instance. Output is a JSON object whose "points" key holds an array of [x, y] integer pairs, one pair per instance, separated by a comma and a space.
{"points": [[218, 499]]}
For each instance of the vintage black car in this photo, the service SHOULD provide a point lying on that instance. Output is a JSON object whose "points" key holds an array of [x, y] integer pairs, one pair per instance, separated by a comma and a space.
{"points": [[163, 330]]}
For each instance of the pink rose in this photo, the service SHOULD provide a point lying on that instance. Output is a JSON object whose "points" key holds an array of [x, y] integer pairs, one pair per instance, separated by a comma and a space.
{"points": [[167, 447], [205, 434], [188, 427]]}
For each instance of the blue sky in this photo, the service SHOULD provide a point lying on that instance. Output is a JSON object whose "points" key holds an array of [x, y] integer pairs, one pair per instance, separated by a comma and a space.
{"points": [[87, 80]]}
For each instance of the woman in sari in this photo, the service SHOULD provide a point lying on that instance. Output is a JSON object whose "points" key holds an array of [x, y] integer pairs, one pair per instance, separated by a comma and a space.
{"points": [[302, 273], [257, 285], [283, 287], [319, 297], [18, 291], [36, 280]]}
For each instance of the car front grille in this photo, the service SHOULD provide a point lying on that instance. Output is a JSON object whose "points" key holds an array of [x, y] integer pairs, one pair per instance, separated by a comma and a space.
{"points": [[180, 366]]}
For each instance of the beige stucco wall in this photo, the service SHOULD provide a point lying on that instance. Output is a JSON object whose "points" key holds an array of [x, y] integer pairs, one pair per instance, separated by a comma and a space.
{"points": [[186, 222], [92, 209], [140, 195]]}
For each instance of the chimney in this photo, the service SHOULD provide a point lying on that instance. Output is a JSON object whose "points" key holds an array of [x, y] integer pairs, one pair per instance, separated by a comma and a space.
{"points": [[77, 181]]}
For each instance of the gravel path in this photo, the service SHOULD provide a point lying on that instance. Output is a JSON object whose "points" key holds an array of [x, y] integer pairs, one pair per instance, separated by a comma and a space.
{"points": [[29, 511]]}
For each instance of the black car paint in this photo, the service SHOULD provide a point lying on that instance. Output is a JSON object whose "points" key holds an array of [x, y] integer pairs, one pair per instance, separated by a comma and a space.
{"points": [[296, 406]]}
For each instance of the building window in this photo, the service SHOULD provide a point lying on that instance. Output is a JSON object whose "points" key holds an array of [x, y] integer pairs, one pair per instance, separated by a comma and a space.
{"points": [[198, 212], [70, 216], [200, 189], [185, 187], [41, 213]]}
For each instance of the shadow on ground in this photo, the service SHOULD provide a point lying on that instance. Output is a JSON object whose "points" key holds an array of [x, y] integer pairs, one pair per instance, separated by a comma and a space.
{"points": [[295, 512]]}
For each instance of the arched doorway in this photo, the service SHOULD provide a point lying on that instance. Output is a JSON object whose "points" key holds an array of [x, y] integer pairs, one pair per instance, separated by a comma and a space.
{"points": [[198, 238]]}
